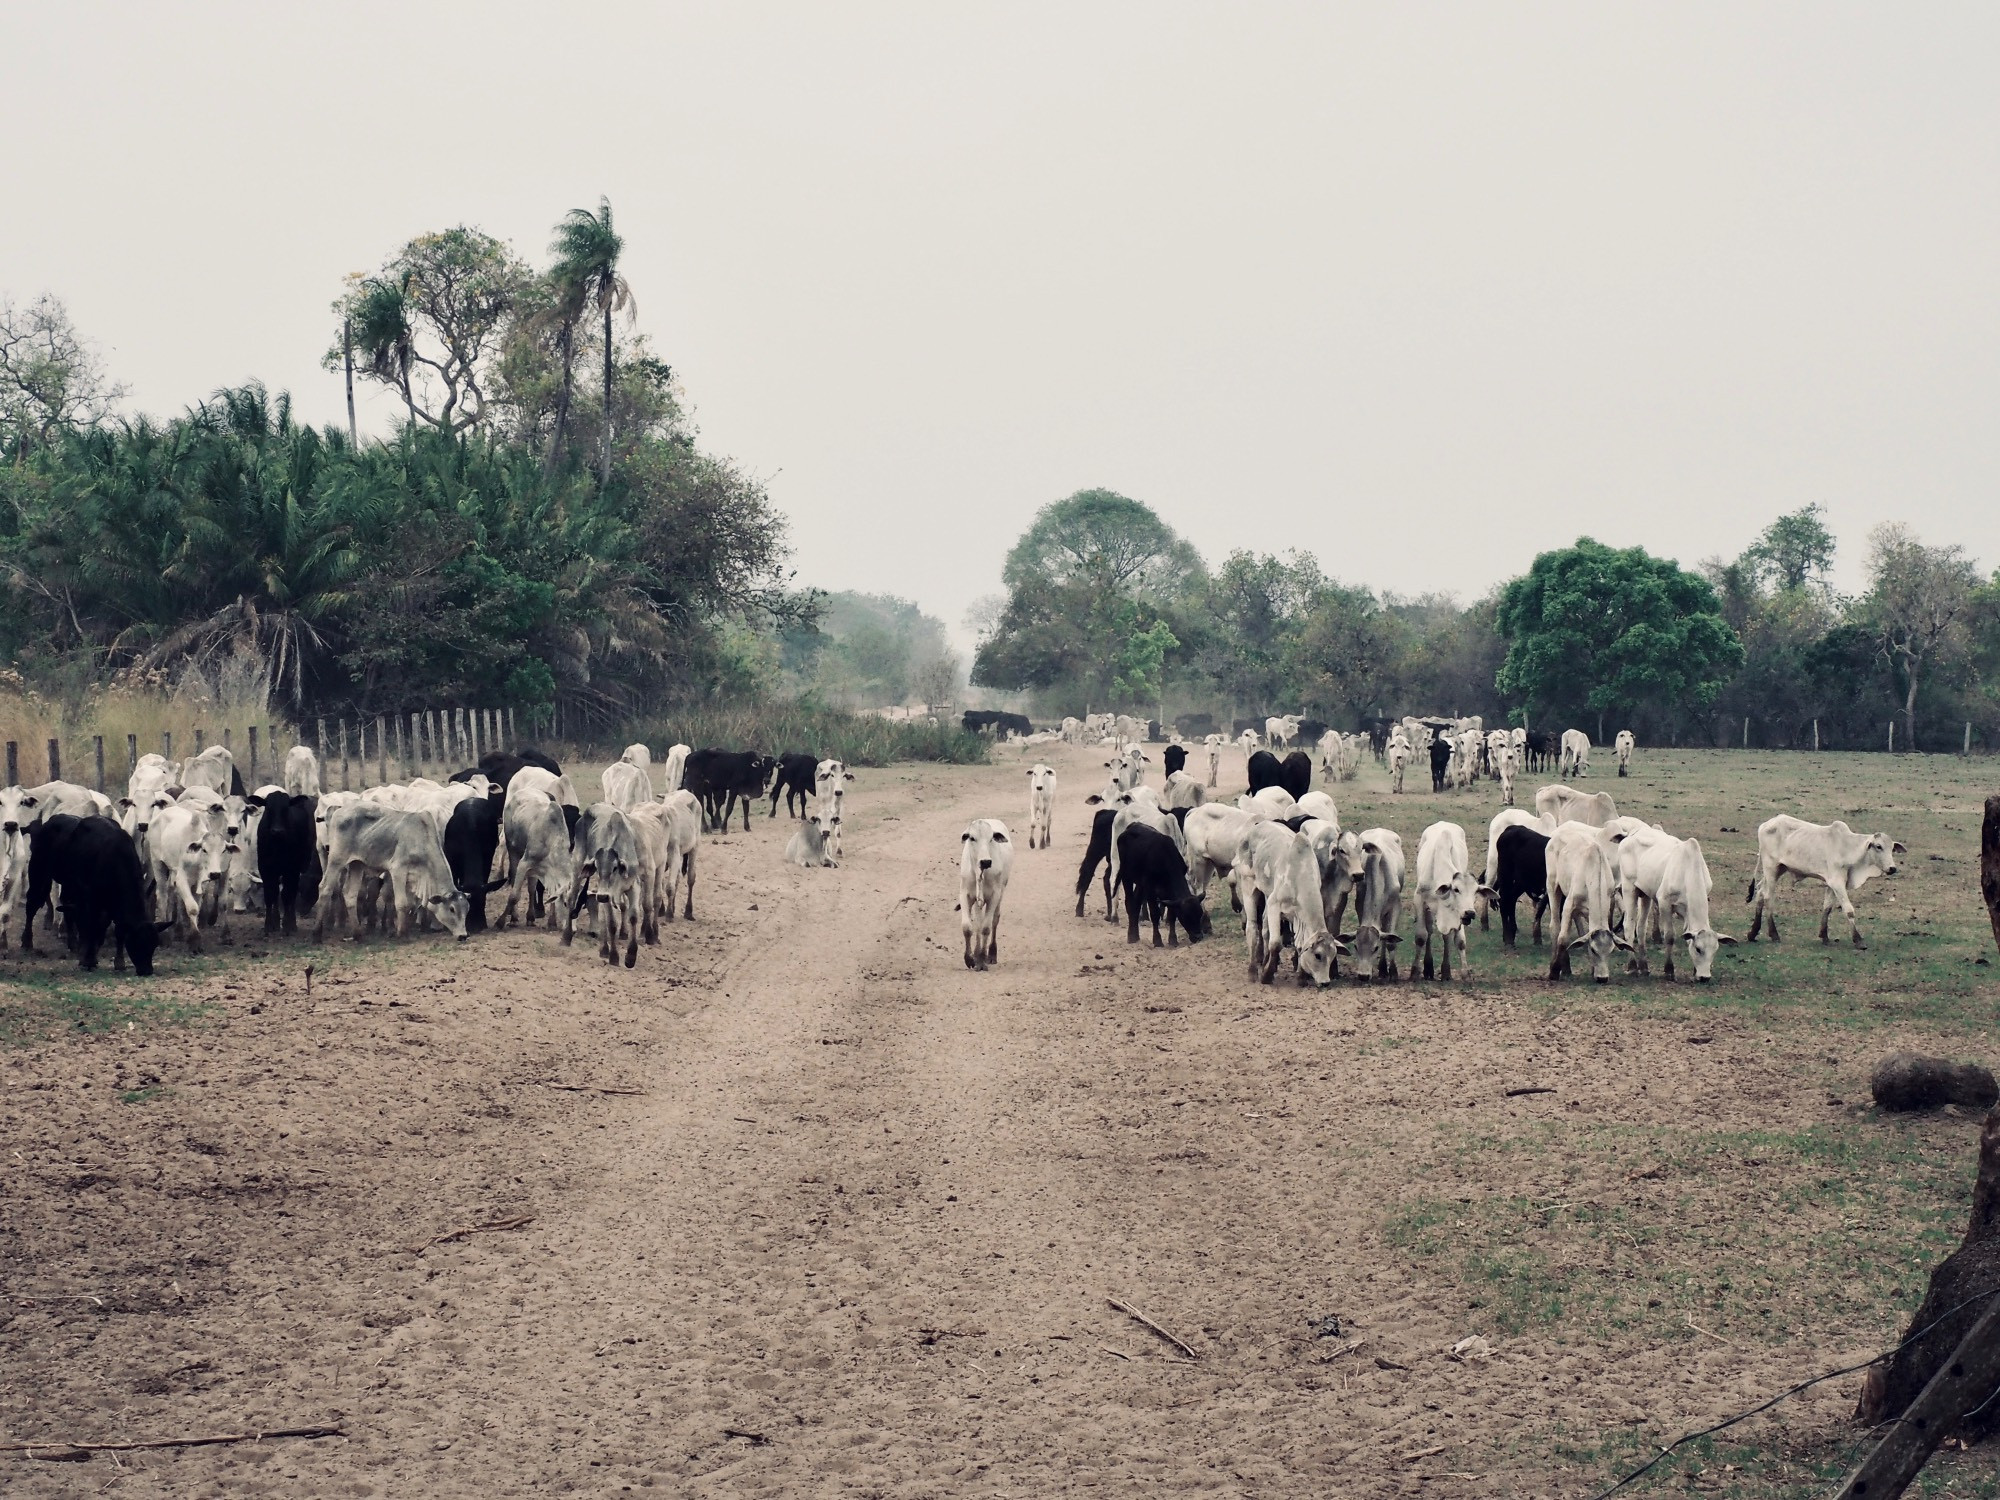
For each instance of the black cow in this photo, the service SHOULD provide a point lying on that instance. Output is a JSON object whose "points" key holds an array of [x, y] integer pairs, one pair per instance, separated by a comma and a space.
{"points": [[1196, 726], [1265, 770], [798, 779], [95, 863], [1239, 725], [1310, 730], [1440, 762], [1098, 853], [1153, 876], [1295, 773], [1174, 758], [996, 723], [471, 836], [722, 777], [1522, 855], [1541, 750], [288, 858], [499, 766], [1377, 730]]}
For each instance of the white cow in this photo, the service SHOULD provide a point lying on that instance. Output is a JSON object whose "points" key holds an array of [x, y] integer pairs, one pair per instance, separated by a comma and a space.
{"points": [[627, 783], [1575, 759], [1445, 893], [1378, 908], [1214, 743], [1400, 755], [1624, 745], [1579, 880], [1562, 804], [14, 858], [1274, 800], [1248, 740], [538, 849], [188, 865], [830, 778], [1215, 834], [1277, 880], [638, 755], [1831, 853], [1283, 729], [1184, 790], [1041, 805], [301, 775], [368, 842], [808, 846], [678, 815], [986, 857], [672, 767], [1664, 883], [1317, 804]]}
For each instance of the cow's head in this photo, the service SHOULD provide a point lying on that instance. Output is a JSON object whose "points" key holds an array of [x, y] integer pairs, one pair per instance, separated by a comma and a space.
{"points": [[450, 908], [1702, 948], [1601, 944], [1370, 945], [1882, 853]]}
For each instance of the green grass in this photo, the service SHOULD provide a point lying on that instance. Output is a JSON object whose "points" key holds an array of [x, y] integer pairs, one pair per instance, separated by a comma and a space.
{"points": [[777, 728], [36, 1010]]}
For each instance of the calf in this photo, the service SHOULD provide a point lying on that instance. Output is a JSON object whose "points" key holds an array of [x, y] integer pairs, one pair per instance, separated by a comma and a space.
{"points": [[985, 859], [1579, 885], [1831, 853], [288, 859], [1213, 744], [1400, 756], [808, 847], [1378, 905], [1517, 868], [1489, 877], [1041, 805], [1445, 892], [1153, 877], [609, 858], [797, 781], [1277, 879], [94, 863], [1624, 745], [471, 838], [830, 783]]}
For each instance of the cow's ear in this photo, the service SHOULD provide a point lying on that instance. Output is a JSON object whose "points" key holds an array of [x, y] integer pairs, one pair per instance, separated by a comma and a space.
{"points": [[1725, 939], [27, 802], [966, 837], [194, 848], [1393, 939], [162, 926], [999, 838], [1897, 848]]}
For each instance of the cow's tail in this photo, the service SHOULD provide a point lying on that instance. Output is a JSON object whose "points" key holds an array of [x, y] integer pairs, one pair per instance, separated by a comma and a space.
{"points": [[1752, 896]]}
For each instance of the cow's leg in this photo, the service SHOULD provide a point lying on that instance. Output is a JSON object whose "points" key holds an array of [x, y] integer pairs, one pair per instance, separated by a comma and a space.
{"points": [[190, 910], [687, 879], [993, 932], [1670, 936], [1153, 911], [1426, 936], [1826, 913], [1131, 916], [1847, 910]]}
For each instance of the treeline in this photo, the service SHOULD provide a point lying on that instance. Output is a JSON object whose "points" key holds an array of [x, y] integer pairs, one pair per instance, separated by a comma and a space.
{"points": [[1106, 607], [542, 529]]}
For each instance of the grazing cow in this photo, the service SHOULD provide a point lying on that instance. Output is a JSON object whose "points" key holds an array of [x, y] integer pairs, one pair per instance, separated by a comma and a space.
{"points": [[301, 776], [607, 846], [808, 847], [1440, 762], [1579, 879], [1378, 905], [401, 850], [538, 852], [1445, 893], [672, 769], [1340, 865], [1139, 805], [1264, 770], [1277, 878], [288, 860], [1517, 868], [1214, 835], [985, 859], [1831, 853], [797, 781], [1273, 801], [1562, 804], [1153, 879], [626, 784], [97, 869], [1332, 755], [1041, 805], [471, 838], [500, 767], [1575, 754], [1282, 730], [189, 860], [1624, 745], [1665, 884], [1295, 773], [1506, 818]]}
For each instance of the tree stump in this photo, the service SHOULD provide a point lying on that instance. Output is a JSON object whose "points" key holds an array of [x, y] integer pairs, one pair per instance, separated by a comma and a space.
{"points": [[1909, 1080], [1962, 1288], [1989, 864]]}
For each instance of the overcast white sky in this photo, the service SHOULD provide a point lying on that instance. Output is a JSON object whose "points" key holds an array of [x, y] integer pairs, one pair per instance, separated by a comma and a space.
{"points": [[1424, 289]]}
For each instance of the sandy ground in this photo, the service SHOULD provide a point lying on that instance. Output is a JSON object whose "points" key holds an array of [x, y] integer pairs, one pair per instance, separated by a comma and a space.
{"points": [[820, 1212]]}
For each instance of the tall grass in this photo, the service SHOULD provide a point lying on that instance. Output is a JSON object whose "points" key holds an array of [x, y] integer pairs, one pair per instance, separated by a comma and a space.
{"points": [[145, 705], [776, 728]]}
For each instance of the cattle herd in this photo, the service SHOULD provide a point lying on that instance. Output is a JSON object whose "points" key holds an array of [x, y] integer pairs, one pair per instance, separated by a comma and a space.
{"points": [[188, 846], [1320, 892]]}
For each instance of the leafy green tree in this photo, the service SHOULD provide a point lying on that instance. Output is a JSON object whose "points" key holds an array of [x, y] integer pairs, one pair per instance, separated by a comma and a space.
{"points": [[1795, 550], [1106, 541], [587, 251], [1919, 603], [1592, 629], [1136, 675]]}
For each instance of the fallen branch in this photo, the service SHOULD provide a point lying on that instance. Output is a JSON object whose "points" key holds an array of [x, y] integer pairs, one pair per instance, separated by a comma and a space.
{"points": [[1119, 1352], [1410, 1458], [1517, 1093], [1699, 1329], [756, 1439], [577, 1088], [495, 1226], [65, 1451], [1132, 1312]]}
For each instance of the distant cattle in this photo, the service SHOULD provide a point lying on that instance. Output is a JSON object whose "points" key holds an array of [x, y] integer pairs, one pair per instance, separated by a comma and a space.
{"points": [[797, 781], [996, 723], [1041, 805], [1265, 770], [1295, 773], [1624, 745]]}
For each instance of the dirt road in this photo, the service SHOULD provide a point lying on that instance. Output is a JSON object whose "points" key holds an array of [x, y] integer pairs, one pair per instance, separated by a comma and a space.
{"points": [[855, 1231]]}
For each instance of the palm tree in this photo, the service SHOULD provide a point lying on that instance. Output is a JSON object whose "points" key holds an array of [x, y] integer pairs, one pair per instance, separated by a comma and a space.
{"points": [[381, 321], [586, 251]]}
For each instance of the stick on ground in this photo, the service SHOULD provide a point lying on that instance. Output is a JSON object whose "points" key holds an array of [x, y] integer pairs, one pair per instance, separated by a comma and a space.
{"points": [[496, 1226], [1132, 1312], [64, 1449], [1517, 1093]]}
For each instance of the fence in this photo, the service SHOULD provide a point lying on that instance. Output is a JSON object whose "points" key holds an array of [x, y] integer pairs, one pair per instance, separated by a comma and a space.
{"points": [[430, 742]]}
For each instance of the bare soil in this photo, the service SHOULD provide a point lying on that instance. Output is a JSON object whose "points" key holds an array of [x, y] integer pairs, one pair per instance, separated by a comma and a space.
{"points": [[811, 1209]]}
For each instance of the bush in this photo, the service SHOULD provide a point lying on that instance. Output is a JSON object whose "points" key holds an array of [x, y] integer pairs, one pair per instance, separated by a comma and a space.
{"points": [[777, 728]]}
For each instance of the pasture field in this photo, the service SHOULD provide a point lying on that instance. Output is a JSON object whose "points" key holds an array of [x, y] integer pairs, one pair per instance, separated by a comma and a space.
{"points": [[811, 1209]]}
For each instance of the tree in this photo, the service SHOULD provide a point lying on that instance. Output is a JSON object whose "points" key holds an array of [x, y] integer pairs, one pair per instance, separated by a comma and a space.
{"points": [[1136, 674], [1917, 604], [586, 270], [937, 680], [1591, 629], [432, 320], [50, 376], [1795, 550], [1106, 541]]}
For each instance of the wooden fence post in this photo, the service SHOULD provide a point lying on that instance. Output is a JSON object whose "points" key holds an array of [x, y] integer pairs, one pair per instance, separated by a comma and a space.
{"points": [[253, 757], [459, 735], [13, 763], [382, 749], [322, 745], [200, 738], [402, 760], [1746, 732], [277, 751], [1967, 751], [166, 744], [513, 733], [1815, 734], [1960, 1381], [1892, 736], [416, 748], [98, 741], [226, 742], [132, 755], [55, 760], [346, 781]]}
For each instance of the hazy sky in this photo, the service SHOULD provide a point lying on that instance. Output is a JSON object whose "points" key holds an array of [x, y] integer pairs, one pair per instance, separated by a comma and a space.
{"points": [[1423, 289]]}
